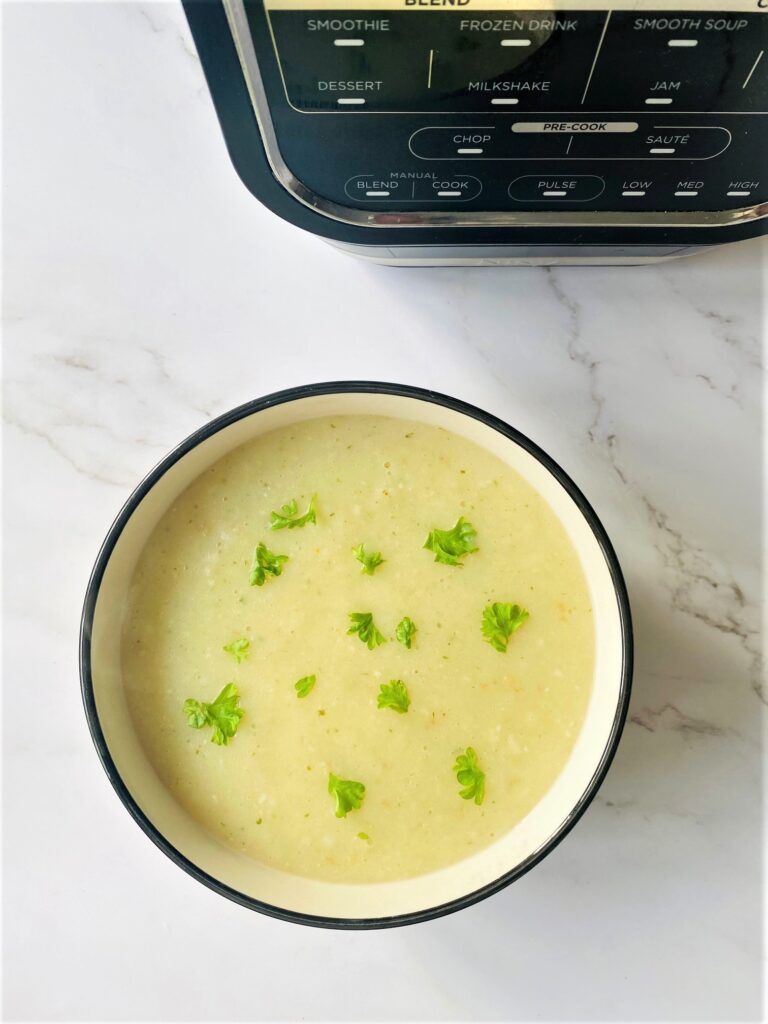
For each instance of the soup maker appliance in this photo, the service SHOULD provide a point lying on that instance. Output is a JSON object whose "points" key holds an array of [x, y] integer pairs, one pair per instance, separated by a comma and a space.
{"points": [[430, 132]]}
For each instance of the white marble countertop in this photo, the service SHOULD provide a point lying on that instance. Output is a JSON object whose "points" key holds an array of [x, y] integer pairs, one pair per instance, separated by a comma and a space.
{"points": [[146, 291]]}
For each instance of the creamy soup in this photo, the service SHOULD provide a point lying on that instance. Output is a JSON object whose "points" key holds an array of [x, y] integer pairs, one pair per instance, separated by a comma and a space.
{"points": [[350, 756]]}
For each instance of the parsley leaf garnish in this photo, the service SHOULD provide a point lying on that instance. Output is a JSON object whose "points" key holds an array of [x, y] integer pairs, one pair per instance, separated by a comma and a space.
{"points": [[223, 715], [450, 545], [349, 795], [369, 562], [364, 836], [405, 632], [265, 563], [470, 776], [287, 517], [238, 649], [305, 685], [362, 624], [394, 694], [500, 621]]}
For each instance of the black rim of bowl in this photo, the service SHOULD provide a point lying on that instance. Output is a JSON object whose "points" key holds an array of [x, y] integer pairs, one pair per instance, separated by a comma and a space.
{"points": [[291, 395]]}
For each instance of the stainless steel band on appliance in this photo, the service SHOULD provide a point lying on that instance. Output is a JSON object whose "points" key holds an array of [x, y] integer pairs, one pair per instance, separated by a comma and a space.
{"points": [[567, 135]]}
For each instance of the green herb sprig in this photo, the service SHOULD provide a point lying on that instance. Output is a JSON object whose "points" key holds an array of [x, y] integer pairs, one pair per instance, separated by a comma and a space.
{"points": [[451, 545], [369, 562], [362, 624], [265, 564], [405, 632], [287, 517], [347, 793], [470, 776], [394, 694], [222, 715], [500, 621], [238, 649], [305, 686]]}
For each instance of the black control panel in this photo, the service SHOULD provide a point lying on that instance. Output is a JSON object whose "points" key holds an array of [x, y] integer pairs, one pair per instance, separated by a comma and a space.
{"points": [[405, 106]]}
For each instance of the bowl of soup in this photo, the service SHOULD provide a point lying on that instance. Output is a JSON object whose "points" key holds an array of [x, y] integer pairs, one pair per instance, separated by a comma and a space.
{"points": [[356, 654]]}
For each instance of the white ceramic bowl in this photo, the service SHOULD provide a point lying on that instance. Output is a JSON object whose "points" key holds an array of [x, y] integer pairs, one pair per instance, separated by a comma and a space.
{"points": [[289, 896]]}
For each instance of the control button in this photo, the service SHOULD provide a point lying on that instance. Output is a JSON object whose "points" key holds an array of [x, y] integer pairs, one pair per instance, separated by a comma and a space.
{"points": [[453, 143], [489, 142], [367, 187], [688, 189], [413, 187], [657, 143], [687, 143], [576, 188], [741, 189], [636, 188], [444, 188]]}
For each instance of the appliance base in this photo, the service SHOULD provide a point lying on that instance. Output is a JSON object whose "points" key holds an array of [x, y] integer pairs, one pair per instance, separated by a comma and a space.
{"points": [[514, 256]]}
